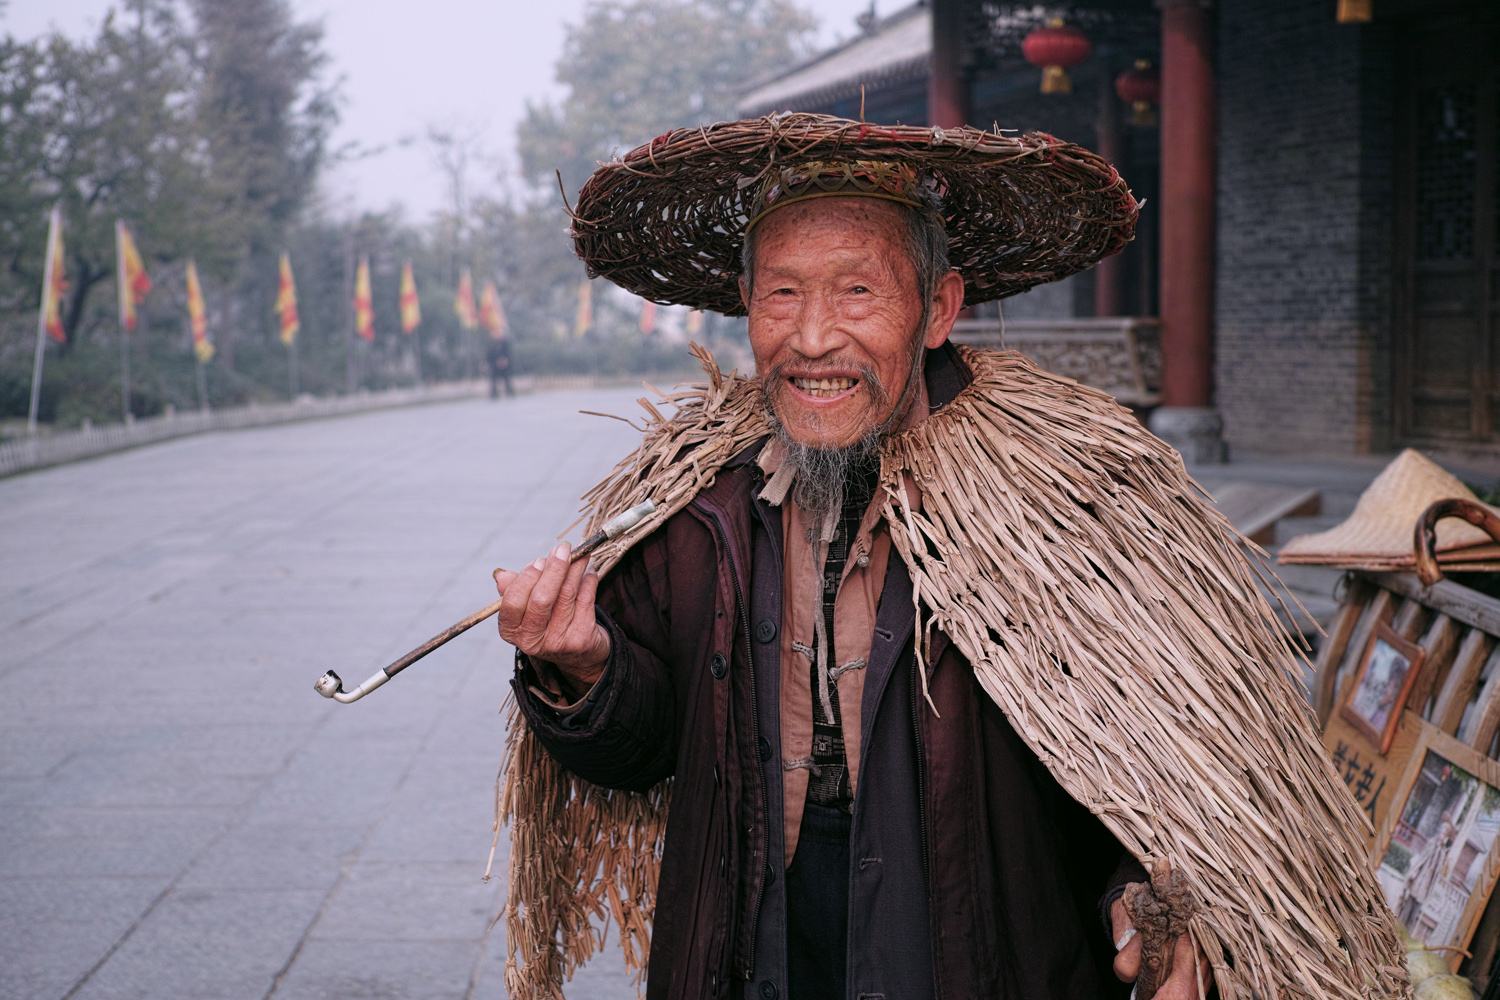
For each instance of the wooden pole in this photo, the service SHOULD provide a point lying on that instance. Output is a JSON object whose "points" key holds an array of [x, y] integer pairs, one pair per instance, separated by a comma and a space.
{"points": [[54, 223], [1187, 204], [123, 291], [202, 387], [947, 85], [1109, 274]]}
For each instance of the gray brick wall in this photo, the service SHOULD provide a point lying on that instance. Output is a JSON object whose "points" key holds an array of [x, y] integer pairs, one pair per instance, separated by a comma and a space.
{"points": [[1303, 244]]}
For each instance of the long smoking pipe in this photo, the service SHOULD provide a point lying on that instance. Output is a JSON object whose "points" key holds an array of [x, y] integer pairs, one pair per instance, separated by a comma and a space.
{"points": [[331, 685]]}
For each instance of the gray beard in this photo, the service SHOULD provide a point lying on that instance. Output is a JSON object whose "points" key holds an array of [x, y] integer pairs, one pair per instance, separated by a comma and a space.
{"points": [[823, 474]]}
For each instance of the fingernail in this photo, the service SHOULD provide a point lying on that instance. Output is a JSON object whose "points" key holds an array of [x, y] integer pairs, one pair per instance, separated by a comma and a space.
{"points": [[538, 564], [562, 551], [1124, 939]]}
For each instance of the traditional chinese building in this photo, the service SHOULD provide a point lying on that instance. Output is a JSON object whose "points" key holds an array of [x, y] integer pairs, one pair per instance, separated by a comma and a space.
{"points": [[1317, 252]]}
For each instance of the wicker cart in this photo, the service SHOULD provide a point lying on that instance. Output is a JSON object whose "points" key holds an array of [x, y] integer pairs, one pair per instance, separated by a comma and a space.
{"points": [[1456, 687]]}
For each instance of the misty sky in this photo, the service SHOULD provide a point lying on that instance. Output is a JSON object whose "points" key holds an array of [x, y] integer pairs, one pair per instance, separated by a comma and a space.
{"points": [[466, 64]]}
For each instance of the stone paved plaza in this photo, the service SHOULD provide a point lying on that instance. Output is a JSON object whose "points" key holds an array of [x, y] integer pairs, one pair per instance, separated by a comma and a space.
{"points": [[182, 816]]}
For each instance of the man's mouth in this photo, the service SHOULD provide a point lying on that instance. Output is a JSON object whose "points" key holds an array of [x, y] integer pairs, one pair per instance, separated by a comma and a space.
{"points": [[824, 388]]}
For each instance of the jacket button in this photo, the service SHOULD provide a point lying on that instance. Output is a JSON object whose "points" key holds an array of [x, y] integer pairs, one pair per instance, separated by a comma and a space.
{"points": [[765, 631], [767, 990], [718, 666], [763, 749]]}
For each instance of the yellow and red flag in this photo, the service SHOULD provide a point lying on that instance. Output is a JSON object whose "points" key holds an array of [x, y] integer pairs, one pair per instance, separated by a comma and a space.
{"points": [[411, 306], [695, 322], [463, 302], [491, 312], [197, 317], [648, 317], [286, 302], [132, 281], [583, 319], [364, 304], [54, 279]]}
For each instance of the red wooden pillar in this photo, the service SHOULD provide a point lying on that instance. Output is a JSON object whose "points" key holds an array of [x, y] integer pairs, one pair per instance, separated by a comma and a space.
{"points": [[1109, 275], [947, 89], [1186, 418]]}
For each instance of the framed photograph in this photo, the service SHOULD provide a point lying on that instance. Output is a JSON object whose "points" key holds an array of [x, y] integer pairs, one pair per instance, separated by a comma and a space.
{"points": [[1440, 852], [1381, 684]]}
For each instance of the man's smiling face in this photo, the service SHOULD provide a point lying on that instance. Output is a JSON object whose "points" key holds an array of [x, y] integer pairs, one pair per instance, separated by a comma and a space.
{"points": [[834, 313]]}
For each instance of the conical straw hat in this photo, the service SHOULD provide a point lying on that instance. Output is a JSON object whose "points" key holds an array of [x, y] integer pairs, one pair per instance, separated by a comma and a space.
{"points": [[1379, 533]]}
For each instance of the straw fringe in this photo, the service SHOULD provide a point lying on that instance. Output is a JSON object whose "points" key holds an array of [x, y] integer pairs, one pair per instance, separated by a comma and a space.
{"points": [[1108, 609]]}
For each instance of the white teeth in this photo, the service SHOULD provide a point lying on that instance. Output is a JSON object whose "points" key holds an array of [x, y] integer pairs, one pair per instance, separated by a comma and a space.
{"points": [[825, 386]]}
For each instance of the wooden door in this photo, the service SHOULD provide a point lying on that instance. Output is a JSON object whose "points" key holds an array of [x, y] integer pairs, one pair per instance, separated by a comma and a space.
{"points": [[1447, 295]]}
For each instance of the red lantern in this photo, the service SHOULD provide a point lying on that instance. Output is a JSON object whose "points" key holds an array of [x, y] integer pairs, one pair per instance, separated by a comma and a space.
{"points": [[1056, 47], [1354, 12], [1141, 88]]}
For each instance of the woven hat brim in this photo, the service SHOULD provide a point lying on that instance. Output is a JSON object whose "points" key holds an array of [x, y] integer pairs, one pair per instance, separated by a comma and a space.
{"points": [[667, 219], [1380, 530]]}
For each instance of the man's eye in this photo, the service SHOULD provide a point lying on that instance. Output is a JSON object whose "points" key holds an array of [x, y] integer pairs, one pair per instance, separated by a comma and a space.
{"points": [[859, 290], [782, 291]]}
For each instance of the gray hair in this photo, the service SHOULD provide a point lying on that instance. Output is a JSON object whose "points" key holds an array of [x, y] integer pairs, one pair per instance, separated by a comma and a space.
{"points": [[925, 239]]}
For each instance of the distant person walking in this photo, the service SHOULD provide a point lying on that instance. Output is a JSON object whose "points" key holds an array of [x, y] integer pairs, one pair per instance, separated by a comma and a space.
{"points": [[497, 354]]}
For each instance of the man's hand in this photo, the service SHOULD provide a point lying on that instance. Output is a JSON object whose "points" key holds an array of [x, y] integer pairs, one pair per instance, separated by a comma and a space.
{"points": [[1181, 984], [547, 612]]}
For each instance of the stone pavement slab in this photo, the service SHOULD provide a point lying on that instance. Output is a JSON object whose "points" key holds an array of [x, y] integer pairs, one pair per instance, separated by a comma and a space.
{"points": [[182, 815]]}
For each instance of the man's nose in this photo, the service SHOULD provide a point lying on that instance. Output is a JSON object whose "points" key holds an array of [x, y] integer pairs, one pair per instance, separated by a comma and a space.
{"points": [[819, 332]]}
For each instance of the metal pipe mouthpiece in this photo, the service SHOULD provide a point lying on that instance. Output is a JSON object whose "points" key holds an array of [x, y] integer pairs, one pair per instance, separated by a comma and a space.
{"points": [[331, 685]]}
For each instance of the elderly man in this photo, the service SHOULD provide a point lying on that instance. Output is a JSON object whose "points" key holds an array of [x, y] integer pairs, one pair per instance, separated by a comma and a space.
{"points": [[879, 663]]}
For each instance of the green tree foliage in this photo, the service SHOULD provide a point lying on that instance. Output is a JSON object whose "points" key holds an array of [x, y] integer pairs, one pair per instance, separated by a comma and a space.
{"points": [[632, 69], [635, 68], [205, 125], [203, 129]]}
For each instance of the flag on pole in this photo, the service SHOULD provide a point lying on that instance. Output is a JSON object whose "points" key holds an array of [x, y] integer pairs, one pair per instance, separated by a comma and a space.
{"points": [[463, 302], [54, 278], [202, 348], [133, 282], [695, 322], [286, 302], [583, 319], [648, 317], [411, 306], [364, 305], [491, 312]]}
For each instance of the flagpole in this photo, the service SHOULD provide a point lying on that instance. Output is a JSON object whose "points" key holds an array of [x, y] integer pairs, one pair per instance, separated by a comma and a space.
{"points": [[202, 387], [291, 366], [124, 334], [53, 221], [349, 290]]}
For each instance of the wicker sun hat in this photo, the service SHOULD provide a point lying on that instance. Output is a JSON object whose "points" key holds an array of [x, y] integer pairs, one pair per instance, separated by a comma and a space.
{"points": [[667, 220], [1378, 534]]}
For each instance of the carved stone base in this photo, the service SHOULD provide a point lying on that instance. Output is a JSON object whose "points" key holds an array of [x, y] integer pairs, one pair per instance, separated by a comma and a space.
{"points": [[1196, 431]]}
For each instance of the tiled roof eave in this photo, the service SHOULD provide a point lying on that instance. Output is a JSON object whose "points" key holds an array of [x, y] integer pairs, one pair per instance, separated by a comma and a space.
{"points": [[902, 71]]}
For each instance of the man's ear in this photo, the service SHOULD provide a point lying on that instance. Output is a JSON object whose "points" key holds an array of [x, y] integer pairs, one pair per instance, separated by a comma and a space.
{"points": [[947, 301], [744, 293]]}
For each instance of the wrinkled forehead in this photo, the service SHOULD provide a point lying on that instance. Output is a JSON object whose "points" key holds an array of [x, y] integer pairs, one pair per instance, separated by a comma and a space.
{"points": [[834, 235]]}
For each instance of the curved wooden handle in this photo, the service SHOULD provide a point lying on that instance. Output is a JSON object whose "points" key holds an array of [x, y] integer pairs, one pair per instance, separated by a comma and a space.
{"points": [[1424, 538]]}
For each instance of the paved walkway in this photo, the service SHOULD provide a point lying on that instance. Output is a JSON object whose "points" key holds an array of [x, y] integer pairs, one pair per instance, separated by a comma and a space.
{"points": [[181, 816]]}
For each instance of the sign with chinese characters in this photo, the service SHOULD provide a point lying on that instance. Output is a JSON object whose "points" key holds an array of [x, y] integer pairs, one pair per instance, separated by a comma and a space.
{"points": [[1370, 775]]}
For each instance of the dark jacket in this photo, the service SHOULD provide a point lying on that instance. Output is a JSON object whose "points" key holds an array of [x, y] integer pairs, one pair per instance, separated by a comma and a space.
{"points": [[972, 874]]}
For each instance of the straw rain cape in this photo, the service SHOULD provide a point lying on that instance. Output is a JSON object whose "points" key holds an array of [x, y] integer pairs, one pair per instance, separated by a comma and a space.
{"points": [[1111, 613]]}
